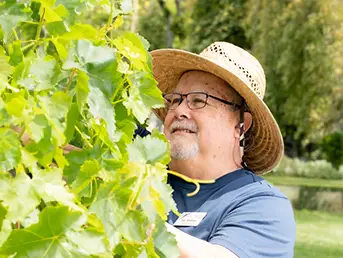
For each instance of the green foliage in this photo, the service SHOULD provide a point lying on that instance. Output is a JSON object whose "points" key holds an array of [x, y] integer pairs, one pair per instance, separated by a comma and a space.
{"points": [[65, 82], [296, 42], [309, 169], [332, 147], [219, 20]]}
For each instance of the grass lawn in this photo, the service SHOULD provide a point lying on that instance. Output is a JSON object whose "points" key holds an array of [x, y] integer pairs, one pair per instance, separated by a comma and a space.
{"points": [[319, 234]]}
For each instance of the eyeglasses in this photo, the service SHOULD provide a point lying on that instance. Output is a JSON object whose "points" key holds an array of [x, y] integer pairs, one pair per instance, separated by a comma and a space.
{"points": [[195, 100]]}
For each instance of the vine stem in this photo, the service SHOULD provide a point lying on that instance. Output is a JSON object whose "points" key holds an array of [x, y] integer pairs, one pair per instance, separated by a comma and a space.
{"points": [[15, 34], [73, 71], [39, 28], [134, 197], [81, 134], [27, 46]]}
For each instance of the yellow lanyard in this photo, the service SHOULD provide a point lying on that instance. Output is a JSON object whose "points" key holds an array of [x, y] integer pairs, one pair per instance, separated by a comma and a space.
{"points": [[194, 181]]}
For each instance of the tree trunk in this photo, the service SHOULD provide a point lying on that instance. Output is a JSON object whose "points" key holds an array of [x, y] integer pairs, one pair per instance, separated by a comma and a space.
{"points": [[168, 18], [135, 16]]}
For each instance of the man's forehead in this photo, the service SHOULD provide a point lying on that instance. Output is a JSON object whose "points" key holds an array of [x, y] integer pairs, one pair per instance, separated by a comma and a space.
{"points": [[201, 81]]}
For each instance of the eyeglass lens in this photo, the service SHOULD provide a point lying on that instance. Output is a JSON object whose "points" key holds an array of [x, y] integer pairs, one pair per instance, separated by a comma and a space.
{"points": [[194, 100]]}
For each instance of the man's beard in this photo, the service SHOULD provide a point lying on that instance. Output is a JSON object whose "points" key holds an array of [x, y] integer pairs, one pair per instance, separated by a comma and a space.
{"points": [[182, 150], [184, 147]]}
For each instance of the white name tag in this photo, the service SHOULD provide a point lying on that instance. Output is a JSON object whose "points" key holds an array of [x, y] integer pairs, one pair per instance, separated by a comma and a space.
{"points": [[190, 219]]}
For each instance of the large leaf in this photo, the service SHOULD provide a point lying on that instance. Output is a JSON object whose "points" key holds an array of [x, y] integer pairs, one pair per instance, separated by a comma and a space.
{"points": [[18, 195], [142, 96], [88, 172], [151, 190], [44, 74], [149, 149], [101, 66], [58, 233], [49, 185], [11, 13], [110, 207], [82, 89], [165, 243], [81, 31], [132, 48], [9, 149], [101, 108], [5, 70]]}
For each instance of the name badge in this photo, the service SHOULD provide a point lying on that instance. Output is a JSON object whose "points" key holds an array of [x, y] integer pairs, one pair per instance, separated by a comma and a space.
{"points": [[190, 219]]}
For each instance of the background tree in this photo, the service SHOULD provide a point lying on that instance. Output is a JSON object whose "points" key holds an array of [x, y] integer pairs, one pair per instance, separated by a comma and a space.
{"points": [[218, 20], [295, 42]]}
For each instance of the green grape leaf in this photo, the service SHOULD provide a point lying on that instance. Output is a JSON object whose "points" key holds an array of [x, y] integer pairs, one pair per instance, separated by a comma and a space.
{"points": [[61, 50], [60, 104], [154, 192], [58, 233], [5, 231], [142, 96], [15, 53], [37, 126], [32, 218], [133, 226], [41, 75], [148, 149], [44, 150], [4, 117], [82, 89], [11, 13], [88, 53], [161, 195], [101, 108], [110, 207], [81, 31], [73, 7], [56, 109], [49, 185], [10, 154], [164, 241], [18, 195], [3, 213], [101, 66], [88, 171], [5, 71], [50, 15], [16, 104], [75, 160], [150, 94], [72, 117], [137, 56], [27, 159]]}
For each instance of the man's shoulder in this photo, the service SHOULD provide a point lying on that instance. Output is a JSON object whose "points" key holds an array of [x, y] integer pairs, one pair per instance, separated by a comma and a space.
{"points": [[252, 187]]}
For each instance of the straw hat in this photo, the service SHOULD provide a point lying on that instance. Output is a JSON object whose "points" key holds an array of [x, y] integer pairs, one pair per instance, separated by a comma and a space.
{"points": [[245, 74]]}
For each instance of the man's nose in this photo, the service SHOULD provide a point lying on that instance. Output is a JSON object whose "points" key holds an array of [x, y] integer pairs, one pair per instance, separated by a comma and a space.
{"points": [[182, 110]]}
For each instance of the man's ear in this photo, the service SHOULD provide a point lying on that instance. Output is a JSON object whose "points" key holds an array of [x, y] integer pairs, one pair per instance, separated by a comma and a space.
{"points": [[247, 124], [247, 121]]}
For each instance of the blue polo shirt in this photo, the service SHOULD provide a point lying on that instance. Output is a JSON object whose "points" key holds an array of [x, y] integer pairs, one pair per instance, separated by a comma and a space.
{"points": [[244, 213]]}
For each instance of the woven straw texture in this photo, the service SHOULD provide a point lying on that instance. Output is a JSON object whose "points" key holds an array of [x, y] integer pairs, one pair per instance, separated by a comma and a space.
{"points": [[245, 74]]}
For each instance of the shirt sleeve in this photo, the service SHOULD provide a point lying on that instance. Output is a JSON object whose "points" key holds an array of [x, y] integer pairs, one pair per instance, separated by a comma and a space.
{"points": [[261, 226]]}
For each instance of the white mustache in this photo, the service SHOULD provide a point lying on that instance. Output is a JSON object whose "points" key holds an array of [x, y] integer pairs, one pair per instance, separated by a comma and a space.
{"points": [[183, 125]]}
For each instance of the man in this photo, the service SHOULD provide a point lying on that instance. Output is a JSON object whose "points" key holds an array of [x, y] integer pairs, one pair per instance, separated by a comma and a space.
{"points": [[220, 129]]}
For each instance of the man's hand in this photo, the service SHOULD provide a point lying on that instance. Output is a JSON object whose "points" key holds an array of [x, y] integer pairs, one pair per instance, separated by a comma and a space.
{"points": [[191, 247]]}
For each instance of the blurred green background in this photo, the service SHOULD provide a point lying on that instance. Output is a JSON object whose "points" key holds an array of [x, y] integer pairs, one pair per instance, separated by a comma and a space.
{"points": [[300, 45]]}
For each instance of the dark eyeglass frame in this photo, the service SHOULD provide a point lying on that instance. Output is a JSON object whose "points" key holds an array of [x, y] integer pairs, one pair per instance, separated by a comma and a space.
{"points": [[182, 96]]}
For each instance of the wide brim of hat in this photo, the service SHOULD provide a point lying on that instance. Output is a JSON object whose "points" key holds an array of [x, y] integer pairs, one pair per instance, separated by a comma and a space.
{"points": [[267, 147]]}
